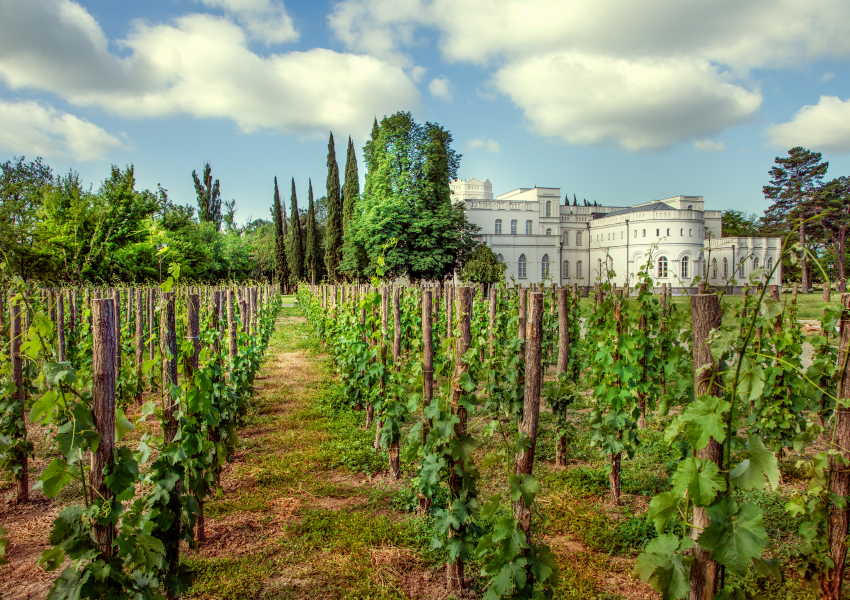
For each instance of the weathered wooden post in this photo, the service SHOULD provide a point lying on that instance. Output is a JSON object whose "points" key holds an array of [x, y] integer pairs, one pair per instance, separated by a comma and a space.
{"points": [[60, 325], [395, 466], [140, 338], [531, 406], [116, 297], [231, 326], [22, 478], [705, 313], [493, 300], [454, 570], [103, 410], [168, 336], [385, 330], [563, 361], [523, 319]]}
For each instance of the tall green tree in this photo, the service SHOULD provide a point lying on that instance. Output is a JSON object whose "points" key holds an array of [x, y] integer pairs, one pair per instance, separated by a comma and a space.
{"points": [[296, 243], [22, 185], [735, 223], [351, 187], [834, 198], [209, 197], [281, 262], [333, 237], [313, 259]]}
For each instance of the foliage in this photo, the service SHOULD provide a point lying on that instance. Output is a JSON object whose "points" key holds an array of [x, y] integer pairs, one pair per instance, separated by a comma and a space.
{"points": [[209, 197], [334, 228], [483, 266]]}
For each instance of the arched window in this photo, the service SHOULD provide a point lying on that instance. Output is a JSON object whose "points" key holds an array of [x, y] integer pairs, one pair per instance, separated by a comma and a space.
{"points": [[703, 269], [513, 227], [565, 270], [685, 267], [548, 208], [545, 267], [725, 268], [769, 265], [690, 206], [579, 272], [599, 266], [498, 226], [755, 263], [548, 232], [578, 238], [714, 268], [662, 266], [501, 258], [521, 266], [566, 238], [743, 268]]}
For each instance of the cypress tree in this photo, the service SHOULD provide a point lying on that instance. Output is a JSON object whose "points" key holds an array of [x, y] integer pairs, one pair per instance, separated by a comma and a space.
{"points": [[209, 197], [333, 241], [281, 264], [351, 187], [575, 200], [311, 255], [296, 244]]}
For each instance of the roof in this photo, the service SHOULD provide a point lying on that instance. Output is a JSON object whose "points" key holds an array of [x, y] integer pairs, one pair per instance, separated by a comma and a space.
{"points": [[632, 209]]}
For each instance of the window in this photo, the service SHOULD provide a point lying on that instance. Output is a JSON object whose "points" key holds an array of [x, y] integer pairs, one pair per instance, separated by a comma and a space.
{"points": [[599, 266], [520, 266], [668, 231], [498, 226], [703, 269], [548, 208], [690, 206], [690, 233], [501, 258], [684, 267], [610, 263], [578, 238], [565, 270], [725, 268], [548, 232], [743, 268], [657, 233], [566, 238], [755, 263], [621, 235], [769, 265], [644, 233], [545, 267], [662, 266], [579, 270], [635, 235], [714, 268], [682, 232], [513, 227], [528, 228]]}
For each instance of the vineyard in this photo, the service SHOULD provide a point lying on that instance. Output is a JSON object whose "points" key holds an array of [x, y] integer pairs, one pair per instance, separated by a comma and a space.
{"points": [[429, 441]]}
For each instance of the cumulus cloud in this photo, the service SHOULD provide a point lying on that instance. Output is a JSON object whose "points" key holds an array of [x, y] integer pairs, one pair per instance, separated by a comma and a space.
{"points": [[824, 127], [709, 146], [199, 65], [417, 73], [636, 104], [441, 87], [488, 144], [826, 77], [38, 129], [723, 40], [266, 20]]}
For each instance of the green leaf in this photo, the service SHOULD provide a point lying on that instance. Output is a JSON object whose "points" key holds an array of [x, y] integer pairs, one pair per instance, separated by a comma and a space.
{"points": [[661, 508], [735, 535], [703, 419], [664, 566], [700, 478], [523, 486], [42, 409], [52, 558], [760, 463], [123, 426], [466, 382], [54, 478]]}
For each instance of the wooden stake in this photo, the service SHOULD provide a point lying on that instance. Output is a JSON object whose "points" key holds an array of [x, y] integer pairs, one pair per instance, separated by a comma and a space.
{"points": [[563, 361], [168, 337], [22, 478], [60, 325], [103, 411]]}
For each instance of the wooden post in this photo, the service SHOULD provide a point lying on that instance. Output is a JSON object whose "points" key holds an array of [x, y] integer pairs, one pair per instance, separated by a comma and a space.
{"points": [[531, 406], [395, 466], [427, 376], [563, 362], [705, 313], [231, 326], [454, 570], [523, 319], [385, 330], [493, 299], [116, 297], [168, 337], [217, 323], [103, 410], [193, 333], [60, 325], [22, 478]]}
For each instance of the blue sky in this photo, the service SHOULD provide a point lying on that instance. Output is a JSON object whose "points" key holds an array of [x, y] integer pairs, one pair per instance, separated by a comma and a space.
{"points": [[613, 101]]}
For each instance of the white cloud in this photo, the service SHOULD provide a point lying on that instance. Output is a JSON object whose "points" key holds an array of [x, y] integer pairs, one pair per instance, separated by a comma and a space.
{"points": [[724, 40], [37, 129], [417, 73], [199, 65], [488, 144], [826, 77], [646, 104], [709, 146], [266, 20], [441, 87], [824, 127]]}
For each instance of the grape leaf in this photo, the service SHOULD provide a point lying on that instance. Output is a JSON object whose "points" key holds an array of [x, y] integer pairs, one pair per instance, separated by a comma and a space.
{"points": [[664, 566], [735, 535], [760, 463], [700, 478]]}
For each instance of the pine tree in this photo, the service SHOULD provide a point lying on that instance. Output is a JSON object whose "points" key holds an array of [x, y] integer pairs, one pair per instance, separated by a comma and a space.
{"points": [[351, 187], [209, 197], [296, 244], [281, 264], [575, 200], [311, 254], [333, 241], [793, 188]]}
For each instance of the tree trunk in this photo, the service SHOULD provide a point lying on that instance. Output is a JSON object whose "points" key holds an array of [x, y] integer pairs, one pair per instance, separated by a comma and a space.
{"points": [[804, 259], [705, 314], [454, 570], [116, 296], [563, 361], [531, 407], [103, 410]]}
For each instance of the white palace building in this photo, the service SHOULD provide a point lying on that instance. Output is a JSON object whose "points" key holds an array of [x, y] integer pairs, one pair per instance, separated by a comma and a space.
{"points": [[542, 241]]}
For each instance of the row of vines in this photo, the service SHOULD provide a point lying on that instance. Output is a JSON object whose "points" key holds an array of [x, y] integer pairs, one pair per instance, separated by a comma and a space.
{"points": [[88, 367], [439, 370]]}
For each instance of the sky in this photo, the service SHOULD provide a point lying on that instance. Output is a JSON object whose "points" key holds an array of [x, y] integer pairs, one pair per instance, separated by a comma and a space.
{"points": [[610, 100]]}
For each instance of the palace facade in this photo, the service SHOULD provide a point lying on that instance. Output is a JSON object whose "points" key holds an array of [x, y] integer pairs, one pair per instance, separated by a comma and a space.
{"points": [[542, 241]]}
